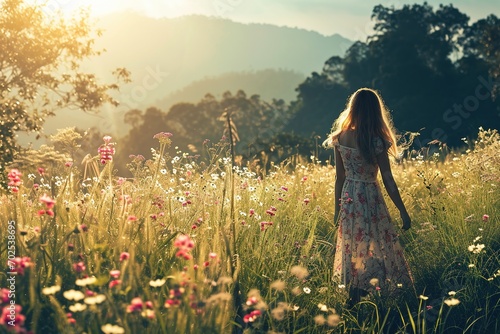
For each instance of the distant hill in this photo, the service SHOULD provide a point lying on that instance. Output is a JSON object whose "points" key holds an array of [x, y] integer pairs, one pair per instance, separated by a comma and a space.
{"points": [[173, 59], [269, 84]]}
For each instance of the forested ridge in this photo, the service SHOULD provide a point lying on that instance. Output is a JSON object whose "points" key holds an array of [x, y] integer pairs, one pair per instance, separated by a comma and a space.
{"points": [[437, 71]]}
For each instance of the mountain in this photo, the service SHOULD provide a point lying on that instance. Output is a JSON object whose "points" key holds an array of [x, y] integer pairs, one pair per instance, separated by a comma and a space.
{"points": [[172, 59], [269, 84]]}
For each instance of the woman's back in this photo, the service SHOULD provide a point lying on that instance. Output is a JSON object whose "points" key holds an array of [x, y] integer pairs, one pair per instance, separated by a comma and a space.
{"points": [[356, 167]]}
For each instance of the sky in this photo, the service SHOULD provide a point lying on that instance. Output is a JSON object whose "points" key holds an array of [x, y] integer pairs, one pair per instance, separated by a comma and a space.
{"points": [[350, 18]]}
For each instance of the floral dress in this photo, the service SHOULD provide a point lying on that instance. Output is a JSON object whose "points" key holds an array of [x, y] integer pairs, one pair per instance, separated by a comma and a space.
{"points": [[368, 253]]}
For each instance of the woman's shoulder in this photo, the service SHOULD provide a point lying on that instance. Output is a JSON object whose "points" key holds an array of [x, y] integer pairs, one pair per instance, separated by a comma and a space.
{"points": [[348, 138], [331, 141]]}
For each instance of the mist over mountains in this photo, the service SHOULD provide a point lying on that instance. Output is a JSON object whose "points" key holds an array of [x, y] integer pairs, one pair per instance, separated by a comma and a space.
{"points": [[181, 59]]}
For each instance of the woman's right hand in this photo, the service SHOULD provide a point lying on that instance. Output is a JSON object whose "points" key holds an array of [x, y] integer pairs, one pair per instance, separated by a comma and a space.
{"points": [[406, 221]]}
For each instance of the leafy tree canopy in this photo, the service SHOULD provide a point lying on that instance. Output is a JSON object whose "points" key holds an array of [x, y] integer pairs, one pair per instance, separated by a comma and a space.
{"points": [[40, 70], [257, 123], [437, 73]]}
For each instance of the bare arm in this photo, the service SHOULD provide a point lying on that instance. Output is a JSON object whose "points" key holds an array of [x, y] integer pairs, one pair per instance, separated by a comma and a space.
{"points": [[392, 188], [339, 182]]}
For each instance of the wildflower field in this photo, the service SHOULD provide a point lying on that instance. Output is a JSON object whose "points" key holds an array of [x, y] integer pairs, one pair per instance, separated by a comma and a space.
{"points": [[198, 244]]}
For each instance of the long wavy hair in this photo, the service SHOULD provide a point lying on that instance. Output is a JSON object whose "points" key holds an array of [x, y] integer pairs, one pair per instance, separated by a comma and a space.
{"points": [[366, 115]]}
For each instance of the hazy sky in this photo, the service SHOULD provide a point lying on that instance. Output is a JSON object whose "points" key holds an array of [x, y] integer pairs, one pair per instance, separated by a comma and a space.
{"points": [[350, 18]]}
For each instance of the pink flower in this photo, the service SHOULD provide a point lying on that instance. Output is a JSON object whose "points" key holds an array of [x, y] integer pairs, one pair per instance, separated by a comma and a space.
{"points": [[252, 301], [41, 171], [212, 255], [20, 264], [135, 305], [12, 314], [132, 218], [162, 135], [114, 273], [4, 296], [176, 292], [84, 227], [124, 256], [252, 316], [264, 224], [106, 153], [184, 242], [49, 202], [68, 164], [114, 283], [70, 318], [106, 139], [14, 179], [486, 218], [184, 254], [79, 267], [284, 188], [126, 199], [172, 302], [106, 150], [270, 212], [306, 200], [251, 212]]}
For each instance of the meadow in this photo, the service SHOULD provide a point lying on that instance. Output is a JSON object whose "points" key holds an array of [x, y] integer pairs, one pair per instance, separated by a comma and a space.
{"points": [[199, 244]]}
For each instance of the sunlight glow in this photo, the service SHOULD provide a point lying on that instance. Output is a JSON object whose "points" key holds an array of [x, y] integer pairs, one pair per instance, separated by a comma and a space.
{"points": [[153, 8]]}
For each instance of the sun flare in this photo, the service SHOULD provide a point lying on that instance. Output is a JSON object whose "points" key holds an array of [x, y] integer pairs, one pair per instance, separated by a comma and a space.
{"points": [[99, 7]]}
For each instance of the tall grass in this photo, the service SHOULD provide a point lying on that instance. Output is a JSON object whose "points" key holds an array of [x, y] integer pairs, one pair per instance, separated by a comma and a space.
{"points": [[125, 244]]}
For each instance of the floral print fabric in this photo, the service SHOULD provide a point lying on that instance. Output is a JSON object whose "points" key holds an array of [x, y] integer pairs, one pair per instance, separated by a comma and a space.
{"points": [[367, 244]]}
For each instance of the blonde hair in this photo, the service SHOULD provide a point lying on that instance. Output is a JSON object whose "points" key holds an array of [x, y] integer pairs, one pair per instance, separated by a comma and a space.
{"points": [[367, 115]]}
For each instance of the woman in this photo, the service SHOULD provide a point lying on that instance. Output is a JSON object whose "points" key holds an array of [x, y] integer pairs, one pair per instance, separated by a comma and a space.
{"points": [[368, 254]]}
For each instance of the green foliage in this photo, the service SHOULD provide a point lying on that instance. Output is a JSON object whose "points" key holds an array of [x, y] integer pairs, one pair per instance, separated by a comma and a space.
{"points": [[258, 122], [437, 74], [40, 70]]}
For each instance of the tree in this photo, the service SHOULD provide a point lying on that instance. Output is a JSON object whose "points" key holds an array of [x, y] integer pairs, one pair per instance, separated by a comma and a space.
{"points": [[257, 121], [40, 70], [427, 63], [319, 101], [482, 41]]}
